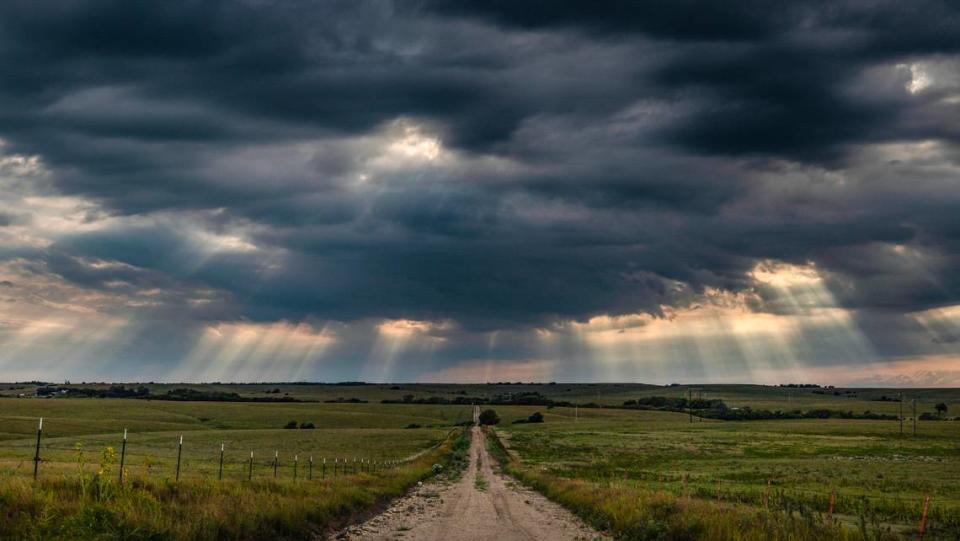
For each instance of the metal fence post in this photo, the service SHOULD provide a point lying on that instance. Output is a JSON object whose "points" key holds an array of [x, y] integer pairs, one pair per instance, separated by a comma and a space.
{"points": [[179, 454], [123, 453], [36, 453]]}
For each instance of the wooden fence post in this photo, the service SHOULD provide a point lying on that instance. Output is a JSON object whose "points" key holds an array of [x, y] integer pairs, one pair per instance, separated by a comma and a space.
{"points": [[310, 471], [923, 518], [276, 463], [250, 472], [220, 472]]}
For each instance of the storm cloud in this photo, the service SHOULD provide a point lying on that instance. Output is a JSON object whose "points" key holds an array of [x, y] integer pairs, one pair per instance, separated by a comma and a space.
{"points": [[488, 172]]}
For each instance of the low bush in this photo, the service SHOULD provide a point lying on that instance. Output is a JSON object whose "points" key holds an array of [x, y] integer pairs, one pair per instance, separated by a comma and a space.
{"points": [[489, 417], [535, 417]]}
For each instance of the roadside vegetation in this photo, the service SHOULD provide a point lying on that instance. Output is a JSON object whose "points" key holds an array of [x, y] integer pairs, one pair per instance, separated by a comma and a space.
{"points": [[79, 494]]}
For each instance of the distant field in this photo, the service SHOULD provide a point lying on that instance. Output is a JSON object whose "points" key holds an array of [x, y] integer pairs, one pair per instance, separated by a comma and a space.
{"points": [[756, 396]]}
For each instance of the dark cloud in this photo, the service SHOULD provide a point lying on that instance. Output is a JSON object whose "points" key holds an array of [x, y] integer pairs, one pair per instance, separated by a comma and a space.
{"points": [[596, 158], [677, 20]]}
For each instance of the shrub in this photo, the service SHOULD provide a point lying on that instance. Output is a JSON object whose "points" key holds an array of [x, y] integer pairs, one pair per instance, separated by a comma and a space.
{"points": [[536, 417], [291, 424], [307, 425], [489, 417]]}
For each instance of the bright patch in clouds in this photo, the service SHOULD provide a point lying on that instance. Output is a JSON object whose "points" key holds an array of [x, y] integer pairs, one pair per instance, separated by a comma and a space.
{"points": [[409, 142]]}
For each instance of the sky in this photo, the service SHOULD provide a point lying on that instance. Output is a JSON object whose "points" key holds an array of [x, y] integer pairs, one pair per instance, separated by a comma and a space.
{"points": [[472, 191]]}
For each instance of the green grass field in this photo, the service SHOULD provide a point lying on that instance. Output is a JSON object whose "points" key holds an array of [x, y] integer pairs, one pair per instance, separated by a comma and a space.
{"points": [[878, 475], [343, 431], [79, 494]]}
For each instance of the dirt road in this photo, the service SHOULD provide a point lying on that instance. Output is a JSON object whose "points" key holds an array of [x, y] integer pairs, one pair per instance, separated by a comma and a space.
{"points": [[483, 506]]}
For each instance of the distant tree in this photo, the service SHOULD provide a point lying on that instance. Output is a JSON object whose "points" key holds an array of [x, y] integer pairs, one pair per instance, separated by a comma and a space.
{"points": [[489, 417], [307, 425], [408, 398], [291, 424], [941, 408], [536, 417]]}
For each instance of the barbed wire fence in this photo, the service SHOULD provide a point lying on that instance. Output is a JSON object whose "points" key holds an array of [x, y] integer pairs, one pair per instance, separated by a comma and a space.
{"points": [[222, 463]]}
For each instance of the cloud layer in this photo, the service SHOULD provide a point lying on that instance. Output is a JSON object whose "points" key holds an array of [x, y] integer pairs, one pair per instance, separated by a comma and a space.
{"points": [[412, 189]]}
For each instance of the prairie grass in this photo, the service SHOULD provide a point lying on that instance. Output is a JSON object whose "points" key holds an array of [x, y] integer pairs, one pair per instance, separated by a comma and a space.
{"points": [[633, 513], [880, 478]]}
